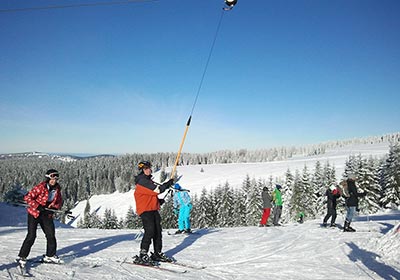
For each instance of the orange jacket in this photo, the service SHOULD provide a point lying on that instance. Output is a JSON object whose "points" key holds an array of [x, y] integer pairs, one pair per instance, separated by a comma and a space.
{"points": [[146, 200]]}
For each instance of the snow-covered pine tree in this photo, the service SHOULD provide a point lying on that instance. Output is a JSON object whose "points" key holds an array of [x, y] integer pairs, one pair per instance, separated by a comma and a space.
{"points": [[391, 178], [14, 194], [239, 208], [110, 220], [317, 190], [295, 200], [168, 218], [205, 210], [225, 206], [287, 193], [369, 182], [132, 220], [307, 198], [253, 203]]}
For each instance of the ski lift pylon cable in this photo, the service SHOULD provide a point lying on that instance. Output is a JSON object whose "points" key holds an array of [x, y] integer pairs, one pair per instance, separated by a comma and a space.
{"points": [[112, 3], [198, 91]]}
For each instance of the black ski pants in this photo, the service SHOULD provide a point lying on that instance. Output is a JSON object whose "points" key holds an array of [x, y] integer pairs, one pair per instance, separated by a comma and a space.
{"points": [[331, 212], [151, 221], [45, 220]]}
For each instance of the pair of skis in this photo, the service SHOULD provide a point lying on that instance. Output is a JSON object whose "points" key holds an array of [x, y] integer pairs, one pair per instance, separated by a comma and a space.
{"points": [[163, 266]]}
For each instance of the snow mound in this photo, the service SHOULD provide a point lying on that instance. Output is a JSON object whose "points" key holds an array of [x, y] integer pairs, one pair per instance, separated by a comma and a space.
{"points": [[389, 244]]}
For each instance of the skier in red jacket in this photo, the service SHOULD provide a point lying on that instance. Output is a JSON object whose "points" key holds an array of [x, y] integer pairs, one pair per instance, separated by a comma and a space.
{"points": [[46, 195]]}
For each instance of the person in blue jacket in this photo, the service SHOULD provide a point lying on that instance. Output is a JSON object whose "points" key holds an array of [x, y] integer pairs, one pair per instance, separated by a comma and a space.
{"points": [[182, 207]]}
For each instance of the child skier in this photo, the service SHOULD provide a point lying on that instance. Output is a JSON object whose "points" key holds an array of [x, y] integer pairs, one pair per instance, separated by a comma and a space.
{"points": [[333, 193], [182, 206]]}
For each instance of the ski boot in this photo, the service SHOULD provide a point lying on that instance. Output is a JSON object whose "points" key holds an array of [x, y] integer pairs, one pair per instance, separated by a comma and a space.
{"points": [[188, 230], [333, 225], [143, 259], [179, 231], [160, 257], [22, 266], [54, 259]]}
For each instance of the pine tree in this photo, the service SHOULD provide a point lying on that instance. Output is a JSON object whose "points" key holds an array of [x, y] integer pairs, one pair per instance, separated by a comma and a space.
{"points": [[295, 200], [253, 203], [168, 218], [110, 220], [239, 208], [287, 192], [391, 178], [225, 206], [205, 210], [132, 220], [317, 190], [368, 182]]}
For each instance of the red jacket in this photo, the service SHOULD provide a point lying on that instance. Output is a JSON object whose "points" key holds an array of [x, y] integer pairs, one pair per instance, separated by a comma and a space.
{"points": [[38, 195]]}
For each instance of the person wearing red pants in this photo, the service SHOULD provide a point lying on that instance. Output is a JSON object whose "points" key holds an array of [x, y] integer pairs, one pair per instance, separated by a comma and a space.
{"points": [[267, 205]]}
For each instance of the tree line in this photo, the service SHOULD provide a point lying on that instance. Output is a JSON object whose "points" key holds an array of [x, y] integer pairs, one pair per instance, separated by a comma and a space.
{"points": [[303, 191]]}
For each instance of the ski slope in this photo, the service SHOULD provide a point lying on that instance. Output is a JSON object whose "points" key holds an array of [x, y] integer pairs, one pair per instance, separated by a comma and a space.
{"points": [[293, 251]]}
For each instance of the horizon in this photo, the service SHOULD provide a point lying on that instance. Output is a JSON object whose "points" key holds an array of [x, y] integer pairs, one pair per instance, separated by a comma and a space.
{"points": [[83, 155], [280, 74]]}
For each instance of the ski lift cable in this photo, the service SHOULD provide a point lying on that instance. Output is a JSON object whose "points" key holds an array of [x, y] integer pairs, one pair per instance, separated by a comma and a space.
{"points": [[228, 3], [77, 5]]}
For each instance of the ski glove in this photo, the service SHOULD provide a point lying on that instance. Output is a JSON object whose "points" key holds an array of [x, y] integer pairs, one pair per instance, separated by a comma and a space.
{"points": [[170, 182], [40, 208], [176, 211]]}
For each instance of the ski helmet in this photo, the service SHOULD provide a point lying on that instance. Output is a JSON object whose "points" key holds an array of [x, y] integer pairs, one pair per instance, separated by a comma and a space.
{"points": [[144, 164], [52, 173], [177, 187]]}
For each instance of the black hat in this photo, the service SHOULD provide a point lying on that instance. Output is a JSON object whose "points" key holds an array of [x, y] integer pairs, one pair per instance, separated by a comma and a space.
{"points": [[144, 164], [278, 187], [51, 171]]}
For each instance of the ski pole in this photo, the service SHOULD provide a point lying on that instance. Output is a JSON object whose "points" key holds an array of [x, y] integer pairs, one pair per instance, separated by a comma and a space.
{"points": [[66, 212]]}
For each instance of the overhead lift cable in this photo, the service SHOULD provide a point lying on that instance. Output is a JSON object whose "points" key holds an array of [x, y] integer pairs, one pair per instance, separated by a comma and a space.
{"points": [[229, 6]]}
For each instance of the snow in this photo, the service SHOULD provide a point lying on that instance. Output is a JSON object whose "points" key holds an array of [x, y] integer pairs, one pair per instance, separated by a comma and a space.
{"points": [[235, 173], [293, 251]]}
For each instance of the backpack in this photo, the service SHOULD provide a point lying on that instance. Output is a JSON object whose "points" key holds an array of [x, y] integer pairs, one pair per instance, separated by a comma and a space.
{"points": [[345, 189]]}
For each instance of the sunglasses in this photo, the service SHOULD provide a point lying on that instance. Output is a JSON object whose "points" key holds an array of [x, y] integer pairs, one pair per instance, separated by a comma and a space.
{"points": [[53, 176]]}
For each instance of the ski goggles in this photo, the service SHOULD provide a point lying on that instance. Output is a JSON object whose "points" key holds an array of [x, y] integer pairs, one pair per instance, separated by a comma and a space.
{"points": [[53, 176]]}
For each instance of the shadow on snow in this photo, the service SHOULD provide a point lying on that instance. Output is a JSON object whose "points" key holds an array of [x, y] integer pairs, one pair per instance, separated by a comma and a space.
{"points": [[189, 240], [369, 259]]}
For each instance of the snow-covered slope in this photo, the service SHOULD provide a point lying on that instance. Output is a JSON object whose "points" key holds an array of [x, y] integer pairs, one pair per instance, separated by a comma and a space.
{"points": [[294, 251], [195, 177]]}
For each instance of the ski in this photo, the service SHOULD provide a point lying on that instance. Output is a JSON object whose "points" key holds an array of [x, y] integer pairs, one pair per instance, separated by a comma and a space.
{"points": [[23, 270], [182, 233], [187, 265], [155, 266]]}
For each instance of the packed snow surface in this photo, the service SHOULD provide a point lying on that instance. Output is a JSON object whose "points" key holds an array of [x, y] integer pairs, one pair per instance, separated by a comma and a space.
{"points": [[293, 251]]}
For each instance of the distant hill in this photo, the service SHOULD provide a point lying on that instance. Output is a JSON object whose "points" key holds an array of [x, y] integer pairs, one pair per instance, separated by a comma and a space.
{"points": [[61, 157]]}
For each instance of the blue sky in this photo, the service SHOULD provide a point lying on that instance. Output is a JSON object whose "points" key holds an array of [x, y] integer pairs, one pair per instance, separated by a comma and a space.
{"points": [[123, 79]]}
